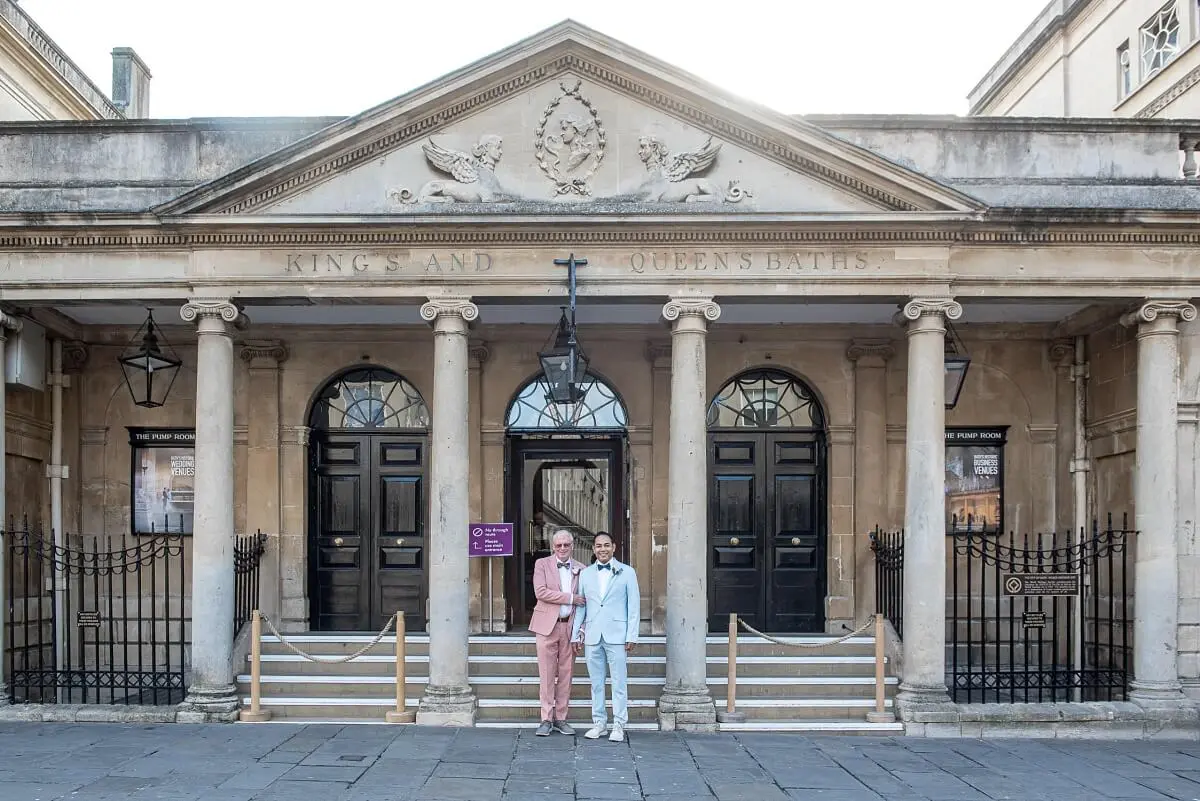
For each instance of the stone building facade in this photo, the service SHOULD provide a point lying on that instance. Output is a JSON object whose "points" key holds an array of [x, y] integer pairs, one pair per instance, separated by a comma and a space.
{"points": [[359, 305]]}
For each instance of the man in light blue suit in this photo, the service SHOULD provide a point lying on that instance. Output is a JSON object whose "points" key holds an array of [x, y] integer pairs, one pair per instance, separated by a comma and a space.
{"points": [[608, 625]]}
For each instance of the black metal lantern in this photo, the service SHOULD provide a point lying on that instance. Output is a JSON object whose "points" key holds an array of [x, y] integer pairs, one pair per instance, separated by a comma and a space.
{"points": [[149, 365], [564, 364], [956, 362]]}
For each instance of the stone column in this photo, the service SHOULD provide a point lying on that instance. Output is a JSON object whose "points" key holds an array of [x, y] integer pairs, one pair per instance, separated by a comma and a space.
{"points": [[686, 702], [1155, 492], [212, 695], [870, 462], [925, 502], [263, 490], [7, 323], [448, 700]]}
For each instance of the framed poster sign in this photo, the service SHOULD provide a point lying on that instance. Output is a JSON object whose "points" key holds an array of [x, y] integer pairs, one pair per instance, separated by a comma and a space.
{"points": [[162, 479], [975, 478]]}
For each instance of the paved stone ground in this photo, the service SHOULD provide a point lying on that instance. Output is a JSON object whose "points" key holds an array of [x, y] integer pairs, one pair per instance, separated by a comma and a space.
{"points": [[273, 762]]}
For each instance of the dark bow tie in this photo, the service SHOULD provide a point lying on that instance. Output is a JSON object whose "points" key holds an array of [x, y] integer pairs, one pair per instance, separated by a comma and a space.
{"points": [[604, 567], [566, 565]]}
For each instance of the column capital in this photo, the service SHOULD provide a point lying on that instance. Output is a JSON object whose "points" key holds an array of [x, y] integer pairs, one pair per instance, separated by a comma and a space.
{"points": [[263, 354], [75, 356], [682, 308], [916, 308], [873, 353], [479, 352], [9, 323], [449, 307], [198, 309], [1062, 352], [1151, 310]]}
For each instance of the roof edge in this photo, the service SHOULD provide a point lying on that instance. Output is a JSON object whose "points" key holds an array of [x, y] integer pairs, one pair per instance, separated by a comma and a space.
{"points": [[1054, 17]]}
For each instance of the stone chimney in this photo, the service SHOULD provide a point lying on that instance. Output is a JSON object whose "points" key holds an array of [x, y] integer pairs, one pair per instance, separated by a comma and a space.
{"points": [[130, 84]]}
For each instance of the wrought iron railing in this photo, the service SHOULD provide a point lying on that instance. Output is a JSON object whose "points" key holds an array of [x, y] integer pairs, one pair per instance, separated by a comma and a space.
{"points": [[248, 552], [97, 619], [1031, 617], [888, 547]]}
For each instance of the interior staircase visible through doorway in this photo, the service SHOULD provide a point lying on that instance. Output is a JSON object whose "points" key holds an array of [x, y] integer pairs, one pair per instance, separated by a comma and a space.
{"points": [[828, 690]]}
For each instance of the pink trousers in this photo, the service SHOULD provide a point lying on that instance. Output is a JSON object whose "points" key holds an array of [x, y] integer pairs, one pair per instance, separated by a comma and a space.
{"points": [[556, 664]]}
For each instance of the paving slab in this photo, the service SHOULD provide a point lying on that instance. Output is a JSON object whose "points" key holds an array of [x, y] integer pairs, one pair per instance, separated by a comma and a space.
{"points": [[274, 761]]}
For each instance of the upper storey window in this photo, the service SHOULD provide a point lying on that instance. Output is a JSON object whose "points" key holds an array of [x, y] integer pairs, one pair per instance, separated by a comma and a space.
{"points": [[1160, 40], [1124, 71]]}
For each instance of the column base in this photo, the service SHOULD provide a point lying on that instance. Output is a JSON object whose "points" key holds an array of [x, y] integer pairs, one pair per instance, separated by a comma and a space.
{"points": [[686, 709], [5, 698], [914, 699], [1155, 693], [446, 706], [209, 705]]}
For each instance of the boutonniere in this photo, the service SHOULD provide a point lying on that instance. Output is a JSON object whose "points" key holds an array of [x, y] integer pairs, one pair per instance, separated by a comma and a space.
{"points": [[617, 570], [575, 570]]}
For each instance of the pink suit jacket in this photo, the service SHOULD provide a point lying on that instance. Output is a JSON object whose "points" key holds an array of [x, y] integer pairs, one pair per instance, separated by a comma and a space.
{"points": [[549, 596]]}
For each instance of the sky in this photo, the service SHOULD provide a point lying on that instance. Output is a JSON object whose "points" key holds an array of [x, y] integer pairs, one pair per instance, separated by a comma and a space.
{"points": [[298, 57]]}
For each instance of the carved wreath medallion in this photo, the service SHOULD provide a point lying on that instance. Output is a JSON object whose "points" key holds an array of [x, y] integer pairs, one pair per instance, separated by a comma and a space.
{"points": [[570, 141]]}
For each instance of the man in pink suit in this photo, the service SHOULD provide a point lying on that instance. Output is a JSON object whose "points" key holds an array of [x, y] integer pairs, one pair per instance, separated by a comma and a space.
{"points": [[556, 585]]}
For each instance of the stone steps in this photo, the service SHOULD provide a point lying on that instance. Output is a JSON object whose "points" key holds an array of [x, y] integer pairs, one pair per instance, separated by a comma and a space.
{"points": [[779, 688]]}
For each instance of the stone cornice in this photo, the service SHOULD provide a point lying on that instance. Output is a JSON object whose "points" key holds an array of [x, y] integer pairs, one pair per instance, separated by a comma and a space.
{"points": [[77, 235]]}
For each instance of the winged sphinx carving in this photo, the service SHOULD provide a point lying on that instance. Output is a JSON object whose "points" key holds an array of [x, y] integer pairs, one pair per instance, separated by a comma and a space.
{"points": [[670, 175], [474, 174]]}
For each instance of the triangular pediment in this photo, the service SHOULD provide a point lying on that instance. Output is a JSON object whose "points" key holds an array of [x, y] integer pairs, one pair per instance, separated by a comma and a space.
{"points": [[569, 121]]}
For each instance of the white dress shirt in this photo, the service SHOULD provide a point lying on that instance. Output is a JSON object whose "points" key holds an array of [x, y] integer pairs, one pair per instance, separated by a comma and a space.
{"points": [[604, 577], [564, 584]]}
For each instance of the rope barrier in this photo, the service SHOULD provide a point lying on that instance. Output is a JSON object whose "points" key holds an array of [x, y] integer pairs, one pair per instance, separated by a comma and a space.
{"points": [[339, 660], [860, 630]]}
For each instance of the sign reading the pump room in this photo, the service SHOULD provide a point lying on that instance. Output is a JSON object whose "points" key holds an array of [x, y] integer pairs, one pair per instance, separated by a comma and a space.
{"points": [[162, 480]]}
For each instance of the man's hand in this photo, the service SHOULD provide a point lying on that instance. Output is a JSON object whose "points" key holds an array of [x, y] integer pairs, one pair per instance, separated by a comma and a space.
{"points": [[629, 647], [578, 648], [578, 600]]}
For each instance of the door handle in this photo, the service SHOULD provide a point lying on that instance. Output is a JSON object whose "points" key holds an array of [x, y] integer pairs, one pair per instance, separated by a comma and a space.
{"points": [[399, 540], [795, 540], [337, 541], [734, 541]]}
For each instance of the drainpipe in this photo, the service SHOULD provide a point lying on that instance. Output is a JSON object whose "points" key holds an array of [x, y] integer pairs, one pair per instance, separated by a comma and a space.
{"points": [[57, 473], [1079, 472]]}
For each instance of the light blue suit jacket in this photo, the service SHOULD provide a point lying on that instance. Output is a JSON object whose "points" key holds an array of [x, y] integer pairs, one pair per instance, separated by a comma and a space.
{"points": [[613, 616]]}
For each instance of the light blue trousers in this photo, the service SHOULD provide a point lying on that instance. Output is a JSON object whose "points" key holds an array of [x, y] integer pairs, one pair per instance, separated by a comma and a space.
{"points": [[602, 659]]}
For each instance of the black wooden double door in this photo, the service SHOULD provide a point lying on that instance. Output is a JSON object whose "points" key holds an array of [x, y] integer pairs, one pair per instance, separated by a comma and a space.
{"points": [[367, 543], [767, 530]]}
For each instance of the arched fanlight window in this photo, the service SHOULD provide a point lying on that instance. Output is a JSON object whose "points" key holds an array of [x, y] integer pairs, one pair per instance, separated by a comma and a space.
{"points": [[599, 407], [370, 397], [765, 399]]}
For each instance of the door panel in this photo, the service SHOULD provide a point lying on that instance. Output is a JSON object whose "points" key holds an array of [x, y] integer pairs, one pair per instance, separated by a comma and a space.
{"points": [[767, 555], [369, 535]]}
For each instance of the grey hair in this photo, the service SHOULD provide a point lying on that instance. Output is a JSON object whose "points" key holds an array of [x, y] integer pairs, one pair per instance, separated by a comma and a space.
{"points": [[570, 536]]}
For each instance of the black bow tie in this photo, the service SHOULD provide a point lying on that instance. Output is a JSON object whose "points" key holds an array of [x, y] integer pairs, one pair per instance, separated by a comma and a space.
{"points": [[565, 564], [603, 567]]}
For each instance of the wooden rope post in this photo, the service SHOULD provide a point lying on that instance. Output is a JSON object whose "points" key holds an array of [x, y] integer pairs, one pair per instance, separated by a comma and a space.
{"points": [[731, 715], [255, 714], [879, 713], [401, 714]]}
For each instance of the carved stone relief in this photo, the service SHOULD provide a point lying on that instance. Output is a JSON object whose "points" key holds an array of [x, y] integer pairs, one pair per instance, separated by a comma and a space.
{"points": [[474, 175], [570, 145], [669, 176], [570, 141]]}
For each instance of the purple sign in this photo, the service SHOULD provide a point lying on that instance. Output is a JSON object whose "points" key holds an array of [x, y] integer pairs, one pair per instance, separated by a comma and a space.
{"points": [[490, 539]]}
